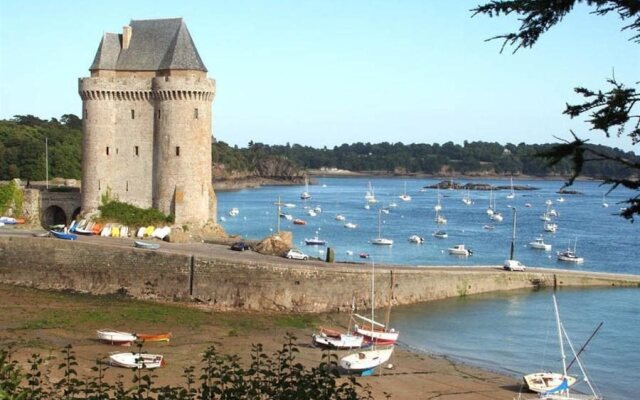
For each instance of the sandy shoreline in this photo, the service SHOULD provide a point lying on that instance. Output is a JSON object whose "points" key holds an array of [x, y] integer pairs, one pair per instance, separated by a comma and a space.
{"points": [[35, 321]]}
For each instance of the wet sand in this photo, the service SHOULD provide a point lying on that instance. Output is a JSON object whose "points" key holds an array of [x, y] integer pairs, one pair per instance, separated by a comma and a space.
{"points": [[35, 321]]}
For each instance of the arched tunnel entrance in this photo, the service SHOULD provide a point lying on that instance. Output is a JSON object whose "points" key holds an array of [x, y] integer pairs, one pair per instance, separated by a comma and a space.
{"points": [[53, 215]]}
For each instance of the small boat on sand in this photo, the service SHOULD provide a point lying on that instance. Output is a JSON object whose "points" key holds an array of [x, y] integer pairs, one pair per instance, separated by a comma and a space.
{"points": [[116, 337], [136, 360]]}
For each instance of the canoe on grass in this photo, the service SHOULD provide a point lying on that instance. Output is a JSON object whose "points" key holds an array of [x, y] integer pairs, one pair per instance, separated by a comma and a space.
{"points": [[146, 245], [154, 337]]}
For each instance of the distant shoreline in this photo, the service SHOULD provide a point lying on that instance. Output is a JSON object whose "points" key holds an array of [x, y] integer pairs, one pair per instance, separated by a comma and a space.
{"points": [[255, 182]]}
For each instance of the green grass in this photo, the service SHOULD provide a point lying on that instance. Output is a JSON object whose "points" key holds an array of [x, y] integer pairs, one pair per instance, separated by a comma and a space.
{"points": [[296, 321]]}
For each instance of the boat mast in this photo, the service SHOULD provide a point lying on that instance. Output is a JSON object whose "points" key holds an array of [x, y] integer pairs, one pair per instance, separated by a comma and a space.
{"points": [[387, 317], [513, 237], [373, 297], [562, 354]]}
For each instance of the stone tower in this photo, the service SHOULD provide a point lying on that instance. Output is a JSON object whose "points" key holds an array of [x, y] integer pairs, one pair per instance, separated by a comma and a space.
{"points": [[147, 122]]}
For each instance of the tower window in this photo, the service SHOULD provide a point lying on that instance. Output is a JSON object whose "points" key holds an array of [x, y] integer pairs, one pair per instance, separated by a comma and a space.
{"points": [[178, 151], [107, 150], [158, 114], [135, 148], [127, 189], [85, 113], [195, 113], [133, 114]]}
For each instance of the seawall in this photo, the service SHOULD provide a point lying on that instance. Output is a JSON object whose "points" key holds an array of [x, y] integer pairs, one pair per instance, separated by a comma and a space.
{"points": [[216, 278]]}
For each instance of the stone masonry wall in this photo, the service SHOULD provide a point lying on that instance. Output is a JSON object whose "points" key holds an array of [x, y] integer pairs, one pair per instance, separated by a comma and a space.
{"points": [[257, 286]]}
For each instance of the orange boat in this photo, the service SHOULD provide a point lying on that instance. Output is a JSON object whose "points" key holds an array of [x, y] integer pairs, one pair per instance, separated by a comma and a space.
{"points": [[154, 337], [96, 229]]}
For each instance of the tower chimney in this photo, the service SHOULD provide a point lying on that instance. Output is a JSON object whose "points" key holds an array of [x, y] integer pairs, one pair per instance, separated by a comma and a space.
{"points": [[126, 36]]}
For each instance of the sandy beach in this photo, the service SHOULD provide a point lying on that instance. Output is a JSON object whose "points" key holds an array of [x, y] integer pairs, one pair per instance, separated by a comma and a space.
{"points": [[35, 321]]}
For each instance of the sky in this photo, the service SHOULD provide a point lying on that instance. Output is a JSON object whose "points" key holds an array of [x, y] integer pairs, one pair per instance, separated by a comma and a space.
{"points": [[324, 73]]}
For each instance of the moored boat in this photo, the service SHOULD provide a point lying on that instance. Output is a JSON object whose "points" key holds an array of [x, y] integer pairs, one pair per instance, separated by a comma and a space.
{"points": [[299, 221], [542, 382], [115, 337], [416, 239], [136, 360], [366, 360], [539, 244], [460, 250], [333, 339], [440, 234]]}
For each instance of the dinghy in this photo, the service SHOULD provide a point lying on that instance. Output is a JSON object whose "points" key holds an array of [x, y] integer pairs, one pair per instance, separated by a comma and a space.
{"points": [[115, 337], [136, 360]]}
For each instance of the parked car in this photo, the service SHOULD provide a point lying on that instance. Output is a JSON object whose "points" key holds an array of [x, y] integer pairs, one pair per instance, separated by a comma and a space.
{"points": [[240, 246], [513, 265], [297, 254]]}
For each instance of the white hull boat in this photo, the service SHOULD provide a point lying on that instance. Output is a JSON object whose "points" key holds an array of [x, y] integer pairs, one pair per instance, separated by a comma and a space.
{"points": [[335, 340], [542, 382], [136, 360], [366, 359], [440, 234], [380, 241], [416, 239], [116, 337], [569, 256], [539, 244], [460, 250], [350, 225]]}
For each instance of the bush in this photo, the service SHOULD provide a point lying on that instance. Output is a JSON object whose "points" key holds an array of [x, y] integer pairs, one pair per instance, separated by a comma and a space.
{"points": [[11, 196], [278, 376], [128, 214]]}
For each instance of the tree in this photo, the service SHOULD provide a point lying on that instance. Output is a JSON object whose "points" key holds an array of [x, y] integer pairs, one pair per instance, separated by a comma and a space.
{"points": [[610, 110]]}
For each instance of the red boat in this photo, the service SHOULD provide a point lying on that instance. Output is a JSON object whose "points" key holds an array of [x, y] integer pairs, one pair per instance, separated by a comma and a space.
{"points": [[299, 221]]}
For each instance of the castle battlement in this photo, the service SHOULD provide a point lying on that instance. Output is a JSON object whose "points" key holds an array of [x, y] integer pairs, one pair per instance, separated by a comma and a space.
{"points": [[147, 122]]}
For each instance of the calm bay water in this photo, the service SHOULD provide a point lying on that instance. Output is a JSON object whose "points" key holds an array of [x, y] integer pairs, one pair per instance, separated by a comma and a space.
{"points": [[507, 332]]}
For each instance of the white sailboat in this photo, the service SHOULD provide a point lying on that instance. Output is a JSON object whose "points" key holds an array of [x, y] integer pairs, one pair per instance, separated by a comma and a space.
{"points": [[405, 196], [490, 209], [334, 339], [466, 199], [556, 386], [380, 240], [511, 194], [604, 201], [305, 195], [365, 361], [370, 196], [512, 264], [438, 206], [570, 255]]}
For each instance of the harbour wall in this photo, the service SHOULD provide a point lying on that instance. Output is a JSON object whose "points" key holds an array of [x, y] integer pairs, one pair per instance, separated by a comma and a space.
{"points": [[257, 283]]}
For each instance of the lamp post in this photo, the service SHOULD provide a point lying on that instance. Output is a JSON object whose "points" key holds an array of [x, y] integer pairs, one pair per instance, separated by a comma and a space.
{"points": [[513, 236], [46, 161]]}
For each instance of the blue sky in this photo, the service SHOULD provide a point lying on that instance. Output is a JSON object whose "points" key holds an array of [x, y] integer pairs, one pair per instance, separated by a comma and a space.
{"points": [[323, 73]]}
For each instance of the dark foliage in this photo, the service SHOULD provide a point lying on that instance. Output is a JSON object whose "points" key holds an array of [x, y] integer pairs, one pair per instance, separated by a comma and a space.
{"points": [[222, 377], [614, 109]]}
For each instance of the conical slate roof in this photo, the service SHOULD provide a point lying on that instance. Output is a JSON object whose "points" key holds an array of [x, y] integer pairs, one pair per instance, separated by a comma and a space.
{"points": [[156, 44]]}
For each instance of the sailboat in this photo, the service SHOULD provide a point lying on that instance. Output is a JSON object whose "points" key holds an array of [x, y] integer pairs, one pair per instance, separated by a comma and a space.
{"points": [[305, 195], [490, 209], [570, 255], [467, 198], [334, 339], [365, 361], [511, 264], [370, 196], [438, 207], [495, 215], [556, 386], [380, 240], [405, 196], [604, 201], [511, 195]]}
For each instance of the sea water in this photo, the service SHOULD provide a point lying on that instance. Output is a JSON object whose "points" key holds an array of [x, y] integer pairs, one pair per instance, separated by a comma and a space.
{"points": [[500, 331]]}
